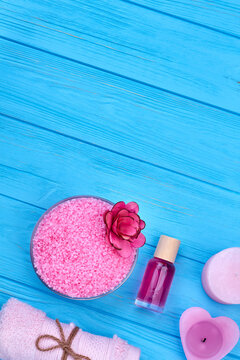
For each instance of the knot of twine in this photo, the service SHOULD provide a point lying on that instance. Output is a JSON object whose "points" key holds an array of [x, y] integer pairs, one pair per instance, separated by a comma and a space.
{"points": [[62, 343]]}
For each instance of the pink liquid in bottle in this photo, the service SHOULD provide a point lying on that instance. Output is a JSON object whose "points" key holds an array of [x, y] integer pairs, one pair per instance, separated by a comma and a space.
{"points": [[158, 275]]}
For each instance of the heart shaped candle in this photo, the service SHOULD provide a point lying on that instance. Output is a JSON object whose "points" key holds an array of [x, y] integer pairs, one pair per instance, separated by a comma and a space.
{"points": [[204, 337], [221, 276]]}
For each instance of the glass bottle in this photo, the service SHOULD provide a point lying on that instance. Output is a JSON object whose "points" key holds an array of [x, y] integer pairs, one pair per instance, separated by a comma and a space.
{"points": [[158, 275]]}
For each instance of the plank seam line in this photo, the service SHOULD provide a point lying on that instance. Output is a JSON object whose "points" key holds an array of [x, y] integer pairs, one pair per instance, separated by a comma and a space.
{"points": [[181, 18], [100, 311], [68, 28], [170, 92], [120, 154], [26, 172], [23, 202], [233, 356], [161, 12]]}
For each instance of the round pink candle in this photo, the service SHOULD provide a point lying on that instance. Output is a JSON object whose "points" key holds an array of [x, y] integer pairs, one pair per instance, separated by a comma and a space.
{"points": [[204, 337], [221, 276], [70, 251]]}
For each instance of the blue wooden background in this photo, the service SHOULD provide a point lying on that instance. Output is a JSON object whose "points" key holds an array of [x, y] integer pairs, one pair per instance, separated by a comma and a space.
{"points": [[128, 100]]}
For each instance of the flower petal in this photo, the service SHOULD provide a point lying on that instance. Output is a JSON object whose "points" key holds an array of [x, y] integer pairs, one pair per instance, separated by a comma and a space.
{"points": [[125, 237], [126, 250], [133, 207], [127, 226], [116, 241], [139, 241], [108, 217], [107, 236], [126, 220], [135, 217], [115, 226], [142, 224], [117, 207], [128, 231], [122, 212]]}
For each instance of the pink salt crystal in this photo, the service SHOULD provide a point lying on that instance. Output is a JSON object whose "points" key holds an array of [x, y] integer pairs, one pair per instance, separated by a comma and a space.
{"points": [[70, 251]]}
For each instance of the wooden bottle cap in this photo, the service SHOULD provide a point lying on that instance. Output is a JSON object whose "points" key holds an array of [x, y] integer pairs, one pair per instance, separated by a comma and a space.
{"points": [[167, 248]]}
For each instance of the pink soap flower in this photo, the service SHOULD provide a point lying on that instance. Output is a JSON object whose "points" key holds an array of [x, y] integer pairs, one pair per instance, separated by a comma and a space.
{"points": [[124, 228]]}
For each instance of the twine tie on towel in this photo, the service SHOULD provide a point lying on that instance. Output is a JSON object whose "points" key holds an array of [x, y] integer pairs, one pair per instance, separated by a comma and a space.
{"points": [[62, 343]]}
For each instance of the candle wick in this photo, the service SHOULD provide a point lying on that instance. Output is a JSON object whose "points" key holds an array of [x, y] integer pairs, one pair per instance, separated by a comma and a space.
{"points": [[204, 340]]}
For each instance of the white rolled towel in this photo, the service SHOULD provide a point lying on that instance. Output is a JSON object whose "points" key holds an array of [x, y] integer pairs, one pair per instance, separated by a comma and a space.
{"points": [[28, 334]]}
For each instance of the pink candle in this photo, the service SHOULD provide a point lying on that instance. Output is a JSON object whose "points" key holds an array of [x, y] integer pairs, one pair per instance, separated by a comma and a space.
{"points": [[206, 338], [221, 276]]}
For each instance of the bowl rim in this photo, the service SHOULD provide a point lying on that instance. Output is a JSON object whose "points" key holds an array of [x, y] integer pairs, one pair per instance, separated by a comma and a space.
{"points": [[32, 257]]}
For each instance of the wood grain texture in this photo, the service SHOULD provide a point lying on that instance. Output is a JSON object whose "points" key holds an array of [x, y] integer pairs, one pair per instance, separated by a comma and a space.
{"points": [[94, 101], [219, 16], [122, 105], [133, 43]]}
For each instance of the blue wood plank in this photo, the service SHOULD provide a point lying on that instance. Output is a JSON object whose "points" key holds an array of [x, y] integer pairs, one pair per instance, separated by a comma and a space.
{"points": [[133, 42], [133, 100], [177, 207], [167, 194], [219, 16], [179, 135]]}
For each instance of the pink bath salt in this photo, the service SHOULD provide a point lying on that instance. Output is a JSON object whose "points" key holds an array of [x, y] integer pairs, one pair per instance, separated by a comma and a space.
{"points": [[70, 251]]}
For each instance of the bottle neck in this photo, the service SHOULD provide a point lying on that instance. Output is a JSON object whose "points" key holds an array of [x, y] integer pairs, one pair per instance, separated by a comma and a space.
{"points": [[163, 260]]}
